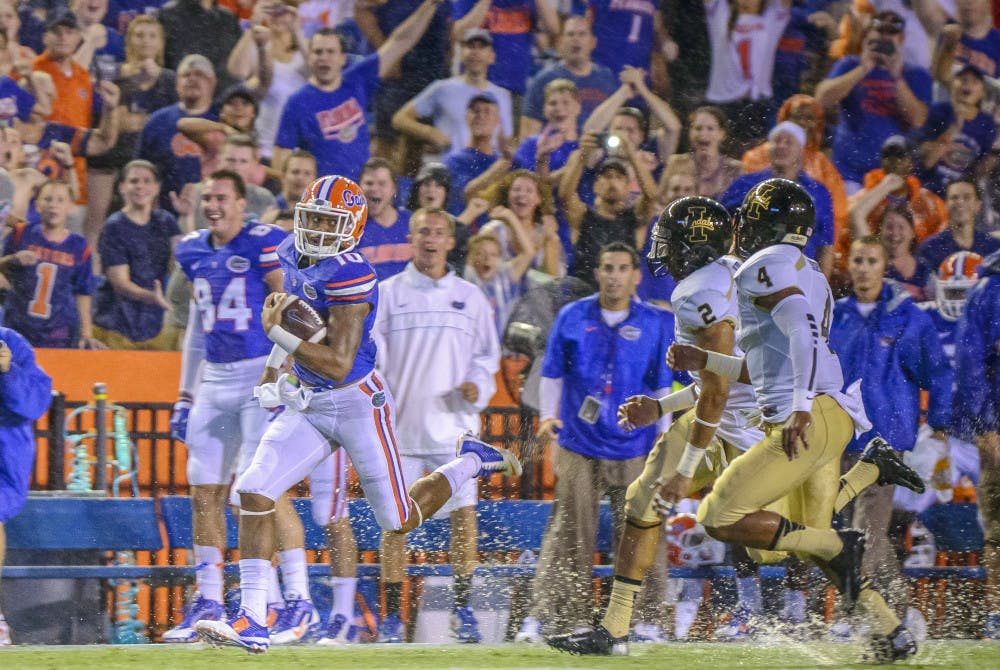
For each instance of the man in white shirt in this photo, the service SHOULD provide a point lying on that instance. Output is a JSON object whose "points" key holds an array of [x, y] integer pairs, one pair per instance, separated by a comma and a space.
{"points": [[438, 351]]}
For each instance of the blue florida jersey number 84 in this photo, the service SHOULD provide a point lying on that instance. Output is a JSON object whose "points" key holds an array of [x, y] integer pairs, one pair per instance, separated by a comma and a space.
{"points": [[229, 289]]}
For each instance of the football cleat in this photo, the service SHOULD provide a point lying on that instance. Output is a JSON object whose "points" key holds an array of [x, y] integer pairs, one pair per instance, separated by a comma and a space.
{"points": [[891, 469], [240, 631], [531, 632], [590, 642], [298, 619], [464, 627], [494, 459], [339, 632], [895, 646], [390, 630], [846, 565], [5, 640], [199, 609]]}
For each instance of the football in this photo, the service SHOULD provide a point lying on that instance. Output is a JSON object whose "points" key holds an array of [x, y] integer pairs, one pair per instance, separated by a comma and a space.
{"points": [[301, 320]]}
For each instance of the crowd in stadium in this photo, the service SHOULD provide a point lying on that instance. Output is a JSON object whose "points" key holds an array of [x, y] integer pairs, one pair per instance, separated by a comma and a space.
{"points": [[528, 147]]}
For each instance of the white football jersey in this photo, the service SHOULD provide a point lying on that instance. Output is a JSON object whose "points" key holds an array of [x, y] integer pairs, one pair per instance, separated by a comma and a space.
{"points": [[705, 297], [767, 349]]}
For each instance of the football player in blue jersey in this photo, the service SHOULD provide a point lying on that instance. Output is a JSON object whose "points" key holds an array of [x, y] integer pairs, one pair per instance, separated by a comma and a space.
{"points": [[233, 266], [337, 399]]}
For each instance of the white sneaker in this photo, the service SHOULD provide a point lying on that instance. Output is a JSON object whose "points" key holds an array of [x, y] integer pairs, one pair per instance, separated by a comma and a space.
{"points": [[5, 640], [339, 632], [531, 632]]}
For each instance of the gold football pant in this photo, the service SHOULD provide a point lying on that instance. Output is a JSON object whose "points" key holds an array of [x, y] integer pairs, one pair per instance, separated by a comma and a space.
{"points": [[763, 476], [662, 464]]}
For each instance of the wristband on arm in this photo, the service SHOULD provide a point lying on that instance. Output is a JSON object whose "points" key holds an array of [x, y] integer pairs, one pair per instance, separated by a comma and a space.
{"points": [[729, 367], [283, 339], [678, 400], [690, 459]]}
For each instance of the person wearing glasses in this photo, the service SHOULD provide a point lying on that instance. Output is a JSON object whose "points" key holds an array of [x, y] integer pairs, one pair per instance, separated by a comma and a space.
{"points": [[878, 95]]}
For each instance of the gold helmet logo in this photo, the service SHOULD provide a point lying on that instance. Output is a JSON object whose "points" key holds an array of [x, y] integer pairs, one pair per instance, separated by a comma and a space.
{"points": [[700, 224], [761, 201]]}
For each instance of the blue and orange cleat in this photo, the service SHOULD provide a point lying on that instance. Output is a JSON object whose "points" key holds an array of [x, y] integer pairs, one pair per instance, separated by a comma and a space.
{"points": [[493, 459], [297, 621], [241, 631], [199, 609], [390, 630]]}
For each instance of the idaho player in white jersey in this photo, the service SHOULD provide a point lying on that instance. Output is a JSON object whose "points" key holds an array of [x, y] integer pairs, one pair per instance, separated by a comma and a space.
{"points": [[339, 400], [785, 311], [690, 242], [233, 266]]}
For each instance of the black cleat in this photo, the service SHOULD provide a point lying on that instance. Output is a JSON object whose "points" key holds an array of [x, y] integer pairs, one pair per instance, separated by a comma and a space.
{"points": [[896, 646], [592, 642], [891, 469], [846, 565]]}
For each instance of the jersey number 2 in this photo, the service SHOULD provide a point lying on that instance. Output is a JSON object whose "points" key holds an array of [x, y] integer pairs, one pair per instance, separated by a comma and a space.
{"points": [[232, 304]]}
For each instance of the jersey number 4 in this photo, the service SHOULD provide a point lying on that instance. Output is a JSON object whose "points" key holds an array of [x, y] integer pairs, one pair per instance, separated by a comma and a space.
{"points": [[232, 305]]}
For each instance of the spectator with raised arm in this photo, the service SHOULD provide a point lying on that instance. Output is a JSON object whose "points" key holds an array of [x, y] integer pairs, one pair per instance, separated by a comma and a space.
{"points": [[146, 86], [326, 116], [893, 182], [522, 199], [271, 58], [199, 27], [878, 95], [611, 219], [594, 82], [162, 143], [422, 63], [547, 152], [655, 148], [513, 25], [102, 49], [445, 101]]}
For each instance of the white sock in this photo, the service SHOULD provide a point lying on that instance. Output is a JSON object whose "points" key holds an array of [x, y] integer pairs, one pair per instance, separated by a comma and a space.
{"points": [[343, 596], [461, 470], [685, 612], [795, 605], [253, 587], [294, 574], [274, 597], [748, 593], [208, 571]]}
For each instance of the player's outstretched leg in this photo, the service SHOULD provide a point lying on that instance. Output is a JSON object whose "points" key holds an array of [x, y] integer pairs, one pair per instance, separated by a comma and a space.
{"points": [[879, 464], [475, 458]]}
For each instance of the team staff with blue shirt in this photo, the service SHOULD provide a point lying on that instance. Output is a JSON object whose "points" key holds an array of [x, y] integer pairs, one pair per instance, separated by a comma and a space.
{"points": [[601, 350], [883, 338], [25, 393], [976, 413]]}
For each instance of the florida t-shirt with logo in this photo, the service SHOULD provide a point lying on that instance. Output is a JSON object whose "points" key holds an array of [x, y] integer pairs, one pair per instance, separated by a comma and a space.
{"points": [[331, 124]]}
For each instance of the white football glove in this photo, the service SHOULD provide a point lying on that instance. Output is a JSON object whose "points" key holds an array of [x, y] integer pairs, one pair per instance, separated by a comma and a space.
{"points": [[283, 392]]}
